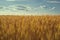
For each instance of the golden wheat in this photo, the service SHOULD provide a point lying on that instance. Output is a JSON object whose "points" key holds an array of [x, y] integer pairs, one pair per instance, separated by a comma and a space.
{"points": [[29, 27]]}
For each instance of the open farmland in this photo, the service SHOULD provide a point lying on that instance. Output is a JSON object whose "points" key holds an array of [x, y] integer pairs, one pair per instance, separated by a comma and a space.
{"points": [[29, 27]]}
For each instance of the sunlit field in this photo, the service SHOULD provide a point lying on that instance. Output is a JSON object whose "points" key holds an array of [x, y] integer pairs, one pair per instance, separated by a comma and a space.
{"points": [[29, 27]]}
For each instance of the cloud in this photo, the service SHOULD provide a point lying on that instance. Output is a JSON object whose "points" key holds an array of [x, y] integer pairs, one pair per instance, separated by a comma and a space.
{"points": [[1, 7], [18, 0], [10, 0], [23, 7], [39, 8], [15, 8], [46, 7], [52, 8], [43, 6], [53, 1]]}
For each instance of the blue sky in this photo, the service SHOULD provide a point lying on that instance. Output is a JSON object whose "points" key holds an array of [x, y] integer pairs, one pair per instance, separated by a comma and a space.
{"points": [[33, 7]]}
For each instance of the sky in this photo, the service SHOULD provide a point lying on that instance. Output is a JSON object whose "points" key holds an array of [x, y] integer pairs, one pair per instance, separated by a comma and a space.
{"points": [[29, 7]]}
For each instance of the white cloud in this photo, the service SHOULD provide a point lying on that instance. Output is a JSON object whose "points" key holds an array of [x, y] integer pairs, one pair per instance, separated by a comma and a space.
{"points": [[22, 9], [18, 0], [39, 8], [2, 8], [52, 8], [43, 6], [53, 1], [10, 0], [11, 10]]}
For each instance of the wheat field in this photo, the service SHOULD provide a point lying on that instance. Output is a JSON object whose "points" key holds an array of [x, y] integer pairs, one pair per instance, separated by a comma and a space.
{"points": [[29, 27]]}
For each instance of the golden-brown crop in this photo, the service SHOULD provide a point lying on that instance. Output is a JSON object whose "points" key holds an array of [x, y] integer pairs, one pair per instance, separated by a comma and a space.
{"points": [[29, 27]]}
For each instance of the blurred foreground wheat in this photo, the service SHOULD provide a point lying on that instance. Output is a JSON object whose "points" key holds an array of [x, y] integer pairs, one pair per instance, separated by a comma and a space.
{"points": [[29, 27]]}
